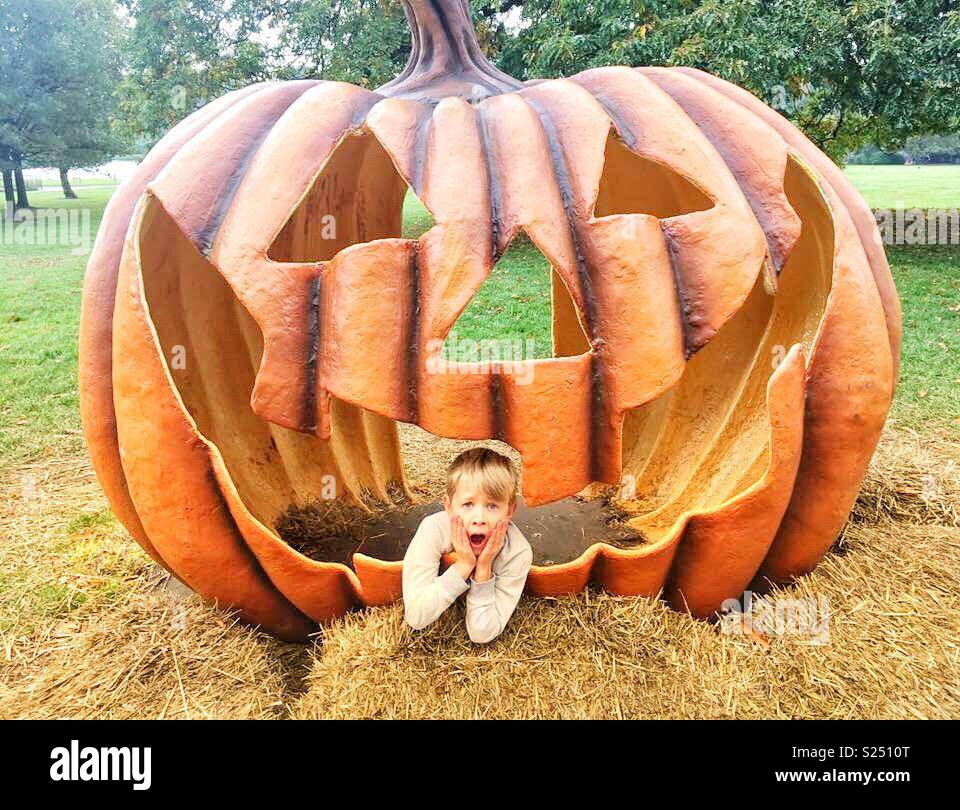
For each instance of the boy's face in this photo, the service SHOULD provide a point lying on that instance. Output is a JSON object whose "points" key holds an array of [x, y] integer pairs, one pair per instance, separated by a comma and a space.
{"points": [[479, 513]]}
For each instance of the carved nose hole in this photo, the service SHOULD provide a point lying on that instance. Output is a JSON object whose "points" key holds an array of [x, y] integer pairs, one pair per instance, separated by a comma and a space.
{"points": [[522, 311]]}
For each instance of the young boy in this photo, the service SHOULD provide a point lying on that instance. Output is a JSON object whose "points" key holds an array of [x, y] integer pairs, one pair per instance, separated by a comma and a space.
{"points": [[493, 557]]}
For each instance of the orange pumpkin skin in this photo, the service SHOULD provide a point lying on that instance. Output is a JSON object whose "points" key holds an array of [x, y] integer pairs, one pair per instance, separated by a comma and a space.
{"points": [[741, 326]]}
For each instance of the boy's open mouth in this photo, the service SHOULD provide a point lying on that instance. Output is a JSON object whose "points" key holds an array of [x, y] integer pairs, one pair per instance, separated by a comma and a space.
{"points": [[477, 542]]}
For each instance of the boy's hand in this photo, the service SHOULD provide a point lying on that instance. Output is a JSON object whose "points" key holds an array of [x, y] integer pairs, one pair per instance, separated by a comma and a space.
{"points": [[466, 561], [484, 568]]}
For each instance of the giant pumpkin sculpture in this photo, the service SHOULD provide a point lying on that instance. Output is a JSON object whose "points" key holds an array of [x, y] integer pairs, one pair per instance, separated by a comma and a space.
{"points": [[725, 327]]}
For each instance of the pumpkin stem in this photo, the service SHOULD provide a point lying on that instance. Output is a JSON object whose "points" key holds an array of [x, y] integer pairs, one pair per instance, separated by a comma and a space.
{"points": [[445, 57]]}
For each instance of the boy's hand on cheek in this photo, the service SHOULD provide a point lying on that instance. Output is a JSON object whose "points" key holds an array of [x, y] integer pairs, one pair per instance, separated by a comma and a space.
{"points": [[484, 566], [466, 561]]}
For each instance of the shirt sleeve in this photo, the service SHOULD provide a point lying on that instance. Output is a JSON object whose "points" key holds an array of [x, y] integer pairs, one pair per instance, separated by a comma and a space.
{"points": [[490, 604], [425, 594]]}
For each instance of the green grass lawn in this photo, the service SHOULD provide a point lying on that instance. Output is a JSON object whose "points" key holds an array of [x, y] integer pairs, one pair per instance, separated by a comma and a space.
{"points": [[909, 186], [928, 280], [40, 289], [40, 307]]}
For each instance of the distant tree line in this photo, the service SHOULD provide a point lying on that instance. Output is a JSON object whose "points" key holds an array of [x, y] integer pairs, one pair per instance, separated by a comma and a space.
{"points": [[921, 149], [83, 80]]}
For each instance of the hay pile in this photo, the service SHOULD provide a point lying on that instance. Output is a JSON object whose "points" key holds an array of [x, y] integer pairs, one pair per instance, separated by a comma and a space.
{"points": [[894, 651], [911, 480], [87, 631], [152, 656], [426, 458]]}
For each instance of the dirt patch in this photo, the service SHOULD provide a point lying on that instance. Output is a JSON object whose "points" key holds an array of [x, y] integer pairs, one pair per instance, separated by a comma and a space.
{"points": [[558, 532], [334, 532]]}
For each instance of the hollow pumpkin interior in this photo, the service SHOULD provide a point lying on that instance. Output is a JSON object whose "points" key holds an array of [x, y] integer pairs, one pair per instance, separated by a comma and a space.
{"points": [[693, 448]]}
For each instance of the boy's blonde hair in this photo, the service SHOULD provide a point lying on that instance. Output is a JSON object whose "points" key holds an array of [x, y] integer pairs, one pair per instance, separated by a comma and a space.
{"points": [[487, 470]]}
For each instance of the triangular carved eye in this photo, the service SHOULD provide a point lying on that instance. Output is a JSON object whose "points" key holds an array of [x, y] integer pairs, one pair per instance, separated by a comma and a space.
{"points": [[357, 197], [516, 310], [632, 184]]}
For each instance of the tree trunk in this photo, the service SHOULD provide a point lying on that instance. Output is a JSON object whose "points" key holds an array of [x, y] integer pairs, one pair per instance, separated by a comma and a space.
{"points": [[22, 200], [8, 194], [68, 191]]}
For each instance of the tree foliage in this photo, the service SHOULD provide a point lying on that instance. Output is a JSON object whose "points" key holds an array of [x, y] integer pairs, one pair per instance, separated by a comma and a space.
{"points": [[845, 72], [364, 42], [933, 149], [180, 54], [59, 60], [919, 149]]}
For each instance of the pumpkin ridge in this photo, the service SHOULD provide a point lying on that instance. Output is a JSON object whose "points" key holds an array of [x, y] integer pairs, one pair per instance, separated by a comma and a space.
{"points": [[424, 133], [143, 366], [313, 399], [851, 379], [413, 341], [597, 394], [99, 294], [242, 542], [206, 235], [496, 198]]}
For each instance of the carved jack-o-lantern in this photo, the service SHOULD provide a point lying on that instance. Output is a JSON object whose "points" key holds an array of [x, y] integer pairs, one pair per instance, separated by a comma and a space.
{"points": [[725, 326]]}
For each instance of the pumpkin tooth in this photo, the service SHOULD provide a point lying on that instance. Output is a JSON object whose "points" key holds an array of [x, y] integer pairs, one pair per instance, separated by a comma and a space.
{"points": [[548, 422], [369, 299], [642, 347]]}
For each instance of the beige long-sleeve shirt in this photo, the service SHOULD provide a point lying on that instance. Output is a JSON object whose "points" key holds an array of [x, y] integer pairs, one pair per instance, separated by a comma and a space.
{"points": [[490, 604]]}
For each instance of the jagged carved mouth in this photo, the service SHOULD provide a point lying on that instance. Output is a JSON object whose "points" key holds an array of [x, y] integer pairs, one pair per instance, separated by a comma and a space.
{"points": [[696, 446]]}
